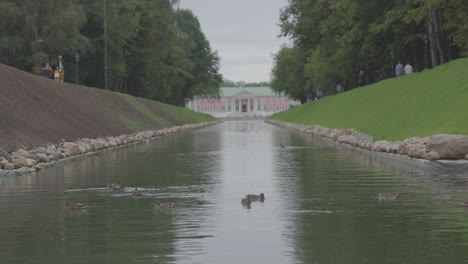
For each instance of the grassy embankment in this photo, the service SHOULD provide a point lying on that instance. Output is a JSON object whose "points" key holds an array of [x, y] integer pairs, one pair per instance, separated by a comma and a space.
{"points": [[37, 111], [167, 115], [422, 104]]}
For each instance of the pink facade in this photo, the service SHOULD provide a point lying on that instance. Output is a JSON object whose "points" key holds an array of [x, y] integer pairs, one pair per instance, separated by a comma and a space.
{"points": [[242, 103]]}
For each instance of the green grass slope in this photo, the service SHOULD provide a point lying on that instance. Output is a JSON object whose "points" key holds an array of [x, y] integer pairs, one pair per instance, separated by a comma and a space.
{"points": [[421, 104]]}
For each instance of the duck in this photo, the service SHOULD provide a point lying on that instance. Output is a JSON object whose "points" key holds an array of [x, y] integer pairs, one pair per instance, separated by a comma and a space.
{"points": [[136, 192], [116, 187], [389, 196], [159, 205], [246, 201], [75, 206], [256, 197]]}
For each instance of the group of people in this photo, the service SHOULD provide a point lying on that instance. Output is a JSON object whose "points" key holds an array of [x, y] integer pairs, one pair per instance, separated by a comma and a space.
{"points": [[58, 73], [401, 70]]}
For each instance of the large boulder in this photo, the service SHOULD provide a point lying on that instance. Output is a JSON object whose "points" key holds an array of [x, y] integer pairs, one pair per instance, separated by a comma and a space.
{"points": [[448, 146]]}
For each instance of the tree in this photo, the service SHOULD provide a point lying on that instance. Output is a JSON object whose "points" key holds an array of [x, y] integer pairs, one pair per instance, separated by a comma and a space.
{"points": [[288, 74], [36, 32], [338, 38], [154, 49], [202, 76]]}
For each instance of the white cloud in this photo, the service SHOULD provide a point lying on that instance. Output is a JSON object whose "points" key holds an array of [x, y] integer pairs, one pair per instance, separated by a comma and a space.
{"points": [[244, 32]]}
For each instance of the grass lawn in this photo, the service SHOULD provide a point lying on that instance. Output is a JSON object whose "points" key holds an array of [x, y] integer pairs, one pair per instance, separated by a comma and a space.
{"points": [[421, 104]]}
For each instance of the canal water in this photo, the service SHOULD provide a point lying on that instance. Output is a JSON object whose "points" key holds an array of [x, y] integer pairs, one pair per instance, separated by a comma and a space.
{"points": [[321, 205]]}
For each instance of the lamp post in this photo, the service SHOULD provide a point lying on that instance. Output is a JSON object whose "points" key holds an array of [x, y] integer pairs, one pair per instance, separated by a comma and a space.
{"points": [[391, 63], [105, 45], [77, 59]]}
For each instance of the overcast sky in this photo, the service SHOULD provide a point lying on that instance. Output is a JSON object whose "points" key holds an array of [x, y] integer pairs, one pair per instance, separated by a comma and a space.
{"points": [[244, 32]]}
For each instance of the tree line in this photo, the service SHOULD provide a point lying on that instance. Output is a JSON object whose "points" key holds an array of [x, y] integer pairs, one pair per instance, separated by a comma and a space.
{"points": [[154, 49], [333, 40]]}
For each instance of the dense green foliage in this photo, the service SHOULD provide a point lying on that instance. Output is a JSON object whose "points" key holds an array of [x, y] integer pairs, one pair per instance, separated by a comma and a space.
{"points": [[154, 49], [420, 104], [333, 40]]}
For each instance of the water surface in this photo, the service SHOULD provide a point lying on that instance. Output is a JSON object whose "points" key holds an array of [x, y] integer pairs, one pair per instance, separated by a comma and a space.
{"points": [[321, 205]]}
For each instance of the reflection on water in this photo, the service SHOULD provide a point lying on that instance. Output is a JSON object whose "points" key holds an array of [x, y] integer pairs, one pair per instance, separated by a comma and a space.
{"points": [[321, 205]]}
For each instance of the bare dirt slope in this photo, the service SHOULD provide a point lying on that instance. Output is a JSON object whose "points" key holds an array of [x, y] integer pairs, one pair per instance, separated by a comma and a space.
{"points": [[35, 111]]}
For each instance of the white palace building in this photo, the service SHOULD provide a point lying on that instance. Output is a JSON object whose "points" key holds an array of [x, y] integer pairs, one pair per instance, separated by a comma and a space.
{"points": [[242, 102]]}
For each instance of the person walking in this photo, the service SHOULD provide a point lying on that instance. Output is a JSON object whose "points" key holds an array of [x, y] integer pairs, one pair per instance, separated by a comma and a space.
{"points": [[408, 69], [361, 78], [61, 68], [399, 69], [339, 88]]}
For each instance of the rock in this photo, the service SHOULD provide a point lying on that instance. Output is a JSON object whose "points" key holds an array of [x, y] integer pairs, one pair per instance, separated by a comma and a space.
{"points": [[381, 146], [22, 152], [9, 166], [363, 141], [431, 155], [84, 148], [411, 143], [416, 140], [42, 157], [466, 156], [351, 140], [20, 162], [448, 146], [53, 157], [3, 162], [336, 133], [30, 163], [5, 155], [416, 151], [395, 146], [71, 149]]}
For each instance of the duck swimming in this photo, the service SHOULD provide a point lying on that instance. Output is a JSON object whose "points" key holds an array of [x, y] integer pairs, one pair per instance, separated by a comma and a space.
{"points": [[389, 196], [256, 197], [246, 201], [136, 192], [75, 206], [159, 205], [116, 187]]}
